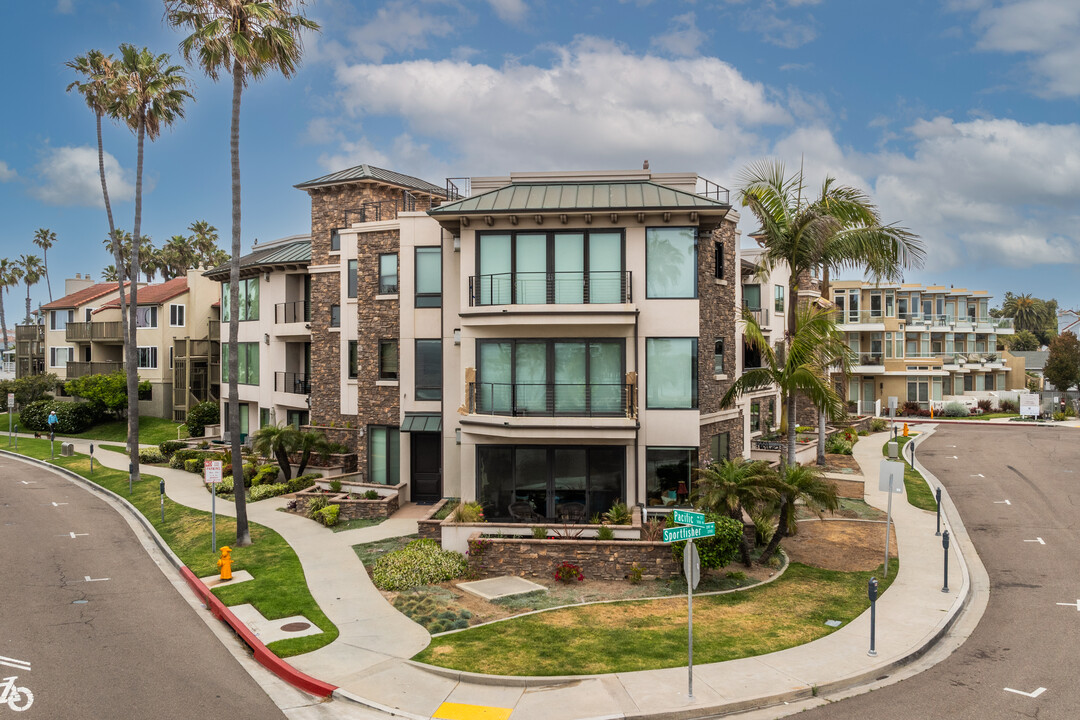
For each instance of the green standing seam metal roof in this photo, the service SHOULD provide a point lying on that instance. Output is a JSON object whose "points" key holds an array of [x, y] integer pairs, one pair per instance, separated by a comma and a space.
{"points": [[297, 252], [579, 197], [370, 172], [422, 422]]}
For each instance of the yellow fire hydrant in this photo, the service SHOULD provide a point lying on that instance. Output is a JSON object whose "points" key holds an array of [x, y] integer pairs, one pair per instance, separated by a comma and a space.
{"points": [[905, 430], [225, 563]]}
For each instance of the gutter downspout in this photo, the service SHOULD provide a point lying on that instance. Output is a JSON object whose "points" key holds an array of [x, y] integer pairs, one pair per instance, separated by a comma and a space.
{"points": [[637, 423]]}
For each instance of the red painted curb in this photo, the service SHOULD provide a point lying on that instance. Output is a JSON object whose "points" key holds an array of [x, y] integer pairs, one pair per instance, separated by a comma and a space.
{"points": [[262, 655]]}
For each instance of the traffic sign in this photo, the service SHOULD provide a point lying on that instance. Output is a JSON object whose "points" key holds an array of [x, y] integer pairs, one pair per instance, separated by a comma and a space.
{"points": [[891, 476], [212, 471], [688, 517], [11, 401], [692, 565], [689, 532]]}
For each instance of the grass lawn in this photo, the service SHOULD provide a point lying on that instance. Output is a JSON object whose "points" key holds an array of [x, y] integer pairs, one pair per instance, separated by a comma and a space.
{"points": [[357, 523], [279, 588], [992, 416], [647, 635], [152, 430], [114, 448], [919, 493]]}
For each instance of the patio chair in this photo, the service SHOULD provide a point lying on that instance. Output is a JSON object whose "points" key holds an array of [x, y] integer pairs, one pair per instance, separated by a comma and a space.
{"points": [[571, 512], [523, 512]]}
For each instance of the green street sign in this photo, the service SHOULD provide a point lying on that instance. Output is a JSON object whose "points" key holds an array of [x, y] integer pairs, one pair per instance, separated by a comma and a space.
{"points": [[689, 532], [688, 517]]}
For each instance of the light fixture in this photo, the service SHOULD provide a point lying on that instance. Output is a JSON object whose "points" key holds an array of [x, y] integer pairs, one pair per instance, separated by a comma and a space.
{"points": [[457, 435], [266, 338], [457, 336], [267, 277]]}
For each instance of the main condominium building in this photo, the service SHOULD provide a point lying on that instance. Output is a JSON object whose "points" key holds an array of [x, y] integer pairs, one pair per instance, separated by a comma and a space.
{"points": [[922, 343], [551, 341]]}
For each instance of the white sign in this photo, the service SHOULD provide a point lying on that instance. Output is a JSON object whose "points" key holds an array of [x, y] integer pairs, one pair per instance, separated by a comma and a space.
{"points": [[1029, 404], [891, 477], [10, 401], [692, 565], [892, 402], [212, 471]]}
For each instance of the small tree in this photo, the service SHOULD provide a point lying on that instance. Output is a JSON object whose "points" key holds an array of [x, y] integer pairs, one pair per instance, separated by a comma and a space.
{"points": [[279, 441], [805, 483], [108, 390], [311, 441], [731, 486], [1063, 364], [1023, 341]]}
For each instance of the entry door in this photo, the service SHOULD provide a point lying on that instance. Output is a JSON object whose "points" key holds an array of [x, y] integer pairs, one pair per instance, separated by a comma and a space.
{"points": [[867, 396], [426, 464]]}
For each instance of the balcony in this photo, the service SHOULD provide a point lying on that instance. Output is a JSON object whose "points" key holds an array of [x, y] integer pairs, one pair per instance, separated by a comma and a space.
{"points": [[292, 312], [870, 359], [600, 287], [94, 332], [983, 324], [581, 400], [760, 315], [860, 317], [292, 382], [81, 369], [214, 329], [30, 333]]}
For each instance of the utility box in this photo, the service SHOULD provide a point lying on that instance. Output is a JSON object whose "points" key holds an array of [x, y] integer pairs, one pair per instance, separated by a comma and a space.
{"points": [[67, 449], [894, 450]]}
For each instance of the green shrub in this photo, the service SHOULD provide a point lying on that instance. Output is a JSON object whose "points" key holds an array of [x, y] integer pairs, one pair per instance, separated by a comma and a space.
{"points": [[605, 533], [470, 512], [837, 445], [200, 415], [1059, 416], [328, 516], [261, 492], [864, 433], [72, 417], [718, 550], [635, 574], [619, 514], [1008, 406], [265, 475], [193, 465], [335, 486], [955, 409], [169, 447], [151, 456], [371, 495], [225, 487], [879, 425], [421, 562], [303, 482], [539, 533], [315, 505]]}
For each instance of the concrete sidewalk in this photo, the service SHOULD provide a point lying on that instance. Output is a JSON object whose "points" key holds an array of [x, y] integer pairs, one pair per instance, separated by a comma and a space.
{"points": [[369, 660]]}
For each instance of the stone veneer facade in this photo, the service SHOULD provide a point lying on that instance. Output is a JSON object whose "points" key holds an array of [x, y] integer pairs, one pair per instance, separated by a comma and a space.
{"points": [[598, 559]]}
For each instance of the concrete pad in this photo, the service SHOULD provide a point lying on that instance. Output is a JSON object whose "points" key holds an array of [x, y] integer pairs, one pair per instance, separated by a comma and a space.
{"points": [[499, 587], [239, 576], [590, 698], [481, 695], [659, 691], [400, 685], [273, 630]]}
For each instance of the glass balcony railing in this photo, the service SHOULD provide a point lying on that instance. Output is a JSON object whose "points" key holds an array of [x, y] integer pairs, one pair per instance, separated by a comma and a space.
{"points": [[870, 358], [292, 312], [553, 399], [551, 288]]}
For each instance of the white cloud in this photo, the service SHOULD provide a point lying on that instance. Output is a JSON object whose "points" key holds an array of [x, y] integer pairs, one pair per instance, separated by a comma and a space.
{"points": [[511, 11], [6, 173], [65, 7], [683, 37], [69, 176], [400, 26], [1044, 30], [778, 25]]}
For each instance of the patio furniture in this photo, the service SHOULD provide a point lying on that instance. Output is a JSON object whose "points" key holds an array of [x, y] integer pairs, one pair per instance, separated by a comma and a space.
{"points": [[571, 512], [523, 512]]}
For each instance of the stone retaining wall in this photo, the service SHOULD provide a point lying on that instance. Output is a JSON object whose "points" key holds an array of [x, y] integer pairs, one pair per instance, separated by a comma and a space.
{"points": [[598, 559], [429, 528], [382, 508]]}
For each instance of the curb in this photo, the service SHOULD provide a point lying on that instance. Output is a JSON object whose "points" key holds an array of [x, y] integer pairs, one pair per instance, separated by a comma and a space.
{"points": [[261, 654]]}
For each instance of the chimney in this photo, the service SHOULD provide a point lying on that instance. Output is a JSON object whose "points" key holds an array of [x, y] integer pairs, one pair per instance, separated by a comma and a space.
{"points": [[645, 165], [77, 276]]}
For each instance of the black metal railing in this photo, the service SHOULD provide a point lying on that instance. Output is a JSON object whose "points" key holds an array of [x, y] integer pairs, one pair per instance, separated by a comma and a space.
{"points": [[292, 312], [553, 399], [376, 210], [713, 191], [594, 287], [458, 190], [760, 315], [387, 287], [292, 382]]}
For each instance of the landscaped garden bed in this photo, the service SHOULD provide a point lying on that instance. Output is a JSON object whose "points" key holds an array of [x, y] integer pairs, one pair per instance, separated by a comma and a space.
{"points": [[353, 500]]}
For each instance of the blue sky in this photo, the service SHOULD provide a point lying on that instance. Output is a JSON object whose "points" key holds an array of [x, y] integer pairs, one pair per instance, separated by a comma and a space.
{"points": [[959, 116]]}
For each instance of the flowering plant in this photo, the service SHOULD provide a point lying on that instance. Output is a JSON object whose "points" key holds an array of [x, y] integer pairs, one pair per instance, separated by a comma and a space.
{"points": [[569, 572]]}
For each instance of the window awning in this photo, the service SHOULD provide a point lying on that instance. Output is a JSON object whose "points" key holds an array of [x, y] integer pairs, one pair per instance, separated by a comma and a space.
{"points": [[422, 422]]}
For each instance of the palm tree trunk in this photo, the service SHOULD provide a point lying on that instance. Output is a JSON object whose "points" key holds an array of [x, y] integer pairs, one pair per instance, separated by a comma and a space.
{"points": [[793, 327], [27, 303], [780, 534], [304, 457], [243, 535], [117, 255], [744, 544], [821, 414], [132, 354], [3, 320], [45, 260], [283, 462]]}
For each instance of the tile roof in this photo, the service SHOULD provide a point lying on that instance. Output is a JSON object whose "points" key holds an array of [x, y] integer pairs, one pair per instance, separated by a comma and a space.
{"points": [[581, 196], [370, 172], [82, 297], [154, 294], [291, 252]]}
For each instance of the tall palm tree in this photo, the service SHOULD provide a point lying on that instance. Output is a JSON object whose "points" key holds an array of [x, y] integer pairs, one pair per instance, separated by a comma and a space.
{"points": [[841, 228], [732, 486], [149, 96], [1028, 313], [279, 441], [98, 90], [10, 275], [178, 255], [816, 341], [244, 38], [45, 238], [109, 274], [31, 268], [204, 239], [799, 482]]}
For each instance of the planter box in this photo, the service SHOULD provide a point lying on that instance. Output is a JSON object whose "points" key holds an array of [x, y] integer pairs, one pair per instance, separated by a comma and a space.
{"points": [[352, 509], [598, 559], [430, 528], [805, 454], [455, 536]]}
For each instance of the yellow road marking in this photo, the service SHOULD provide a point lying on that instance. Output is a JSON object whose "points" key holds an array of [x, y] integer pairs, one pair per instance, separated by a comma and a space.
{"points": [[461, 711]]}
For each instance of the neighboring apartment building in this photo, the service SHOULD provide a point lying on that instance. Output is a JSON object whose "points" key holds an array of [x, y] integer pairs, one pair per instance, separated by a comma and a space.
{"points": [[560, 340], [765, 299], [922, 343], [274, 337], [29, 350], [67, 333], [178, 309]]}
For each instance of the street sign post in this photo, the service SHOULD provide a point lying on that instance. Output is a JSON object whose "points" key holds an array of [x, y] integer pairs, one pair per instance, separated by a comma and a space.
{"points": [[212, 475], [10, 414], [890, 480], [694, 527]]}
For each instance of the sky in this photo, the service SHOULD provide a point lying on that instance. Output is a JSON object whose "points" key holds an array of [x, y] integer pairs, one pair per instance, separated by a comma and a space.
{"points": [[958, 117]]}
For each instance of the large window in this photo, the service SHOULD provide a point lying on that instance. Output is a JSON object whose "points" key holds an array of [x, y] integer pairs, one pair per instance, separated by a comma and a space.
{"points": [[428, 369], [147, 358], [559, 483], [555, 267], [670, 263], [384, 453], [146, 316], [61, 356], [428, 277], [388, 360], [755, 416], [671, 367], [550, 377], [335, 241], [248, 360], [388, 283], [352, 280], [778, 302], [751, 296], [720, 447], [58, 319], [248, 301], [668, 474], [354, 360]]}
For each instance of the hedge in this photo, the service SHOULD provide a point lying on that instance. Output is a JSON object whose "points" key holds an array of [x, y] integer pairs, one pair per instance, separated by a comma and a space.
{"points": [[73, 417], [421, 562], [200, 415], [169, 447]]}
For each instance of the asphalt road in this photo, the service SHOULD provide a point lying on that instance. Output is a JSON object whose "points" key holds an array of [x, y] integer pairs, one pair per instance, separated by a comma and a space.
{"points": [[123, 644], [1025, 640]]}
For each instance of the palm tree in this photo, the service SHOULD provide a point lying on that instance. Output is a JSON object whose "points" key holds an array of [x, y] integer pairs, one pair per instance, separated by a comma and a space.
{"points": [[45, 238], [1028, 313], [307, 442], [204, 239], [840, 229], [815, 342], [799, 482], [245, 38], [30, 267], [10, 275], [149, 95], [279, 441], [109, 274], [98, 90], [731, 486]]}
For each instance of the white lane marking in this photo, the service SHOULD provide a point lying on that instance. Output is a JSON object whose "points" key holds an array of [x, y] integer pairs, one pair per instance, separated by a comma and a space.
{"points": [[1002, 502], [978, 475], [1038, 540], [56, 504], [1035, 694], [75, 535], [90, 579], [18, 664], [1075, 604], [952, 457], [28, 482]]}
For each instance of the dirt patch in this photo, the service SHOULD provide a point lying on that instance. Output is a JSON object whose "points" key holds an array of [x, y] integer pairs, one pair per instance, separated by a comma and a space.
{"points": [[842, 464], [839, 544], [849, 488]]}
